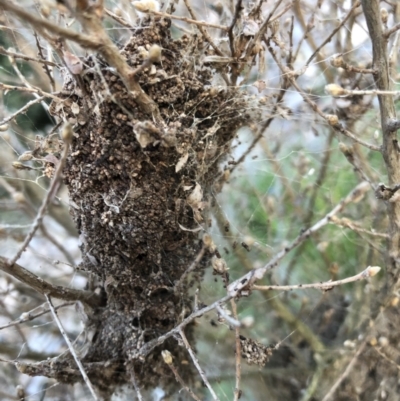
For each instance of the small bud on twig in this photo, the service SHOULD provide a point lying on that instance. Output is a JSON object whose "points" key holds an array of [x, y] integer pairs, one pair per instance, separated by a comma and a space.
{"points": [[155, 54], [384, 15], [167, 356], [332, 119], [335, 90], [337, 61], [67, 133], [373, 270]]}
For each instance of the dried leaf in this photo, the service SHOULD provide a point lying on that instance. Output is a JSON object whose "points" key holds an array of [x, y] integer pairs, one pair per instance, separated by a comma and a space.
{"points": [[260, 85], [193, 230], [181, 162], [73, 63], [75, 108]]}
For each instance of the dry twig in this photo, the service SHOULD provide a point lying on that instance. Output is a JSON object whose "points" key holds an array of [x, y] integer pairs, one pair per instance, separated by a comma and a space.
{"points": [[71, 348], [370, 271], [197, 364], [67, 136]]}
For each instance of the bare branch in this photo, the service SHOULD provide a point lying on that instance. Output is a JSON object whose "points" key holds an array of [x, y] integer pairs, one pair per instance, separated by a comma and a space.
{"points": [[29, 316], [71, 348], [43, 287], [22, 109], [148, 347], [238, 354], [391, 31], [168, 360], [207, 37], [346, 372], [190, 268], [332, 120], [246, 282], [365, 274], [67, 135], [135, 385], [333, 33], [26, 58], [387, 108], [188, 20], [197, 364], [86, 41]]}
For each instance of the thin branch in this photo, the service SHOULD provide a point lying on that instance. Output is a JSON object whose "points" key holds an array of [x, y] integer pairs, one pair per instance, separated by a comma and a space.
{"points": [[190, 268], [44, 287], [168, 360], [28, 316], [238, 9], [38, 23], [67, 135], [387, 109], [333, 33], [347, 223], [246, 282], [391, 31], [46, 66], [71, 348], [197, 364], [22, 109], [188, 20], [135, 385], [370, 271], [238, 354], [232, 321], [346, 372], [120, 20], [207, 37], [37, 91], [332, 120], [263, 28], [26, 58], [148, 347], [338, 91], [103, 44]]}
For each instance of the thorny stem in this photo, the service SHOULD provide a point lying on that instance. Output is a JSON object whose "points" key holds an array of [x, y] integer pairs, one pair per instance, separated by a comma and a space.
{"points": [[197, 364], [365, 274], [71, 348]]}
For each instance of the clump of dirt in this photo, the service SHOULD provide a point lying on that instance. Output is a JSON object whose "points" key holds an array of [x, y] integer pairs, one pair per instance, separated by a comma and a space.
{"points": [[140, 188]]}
